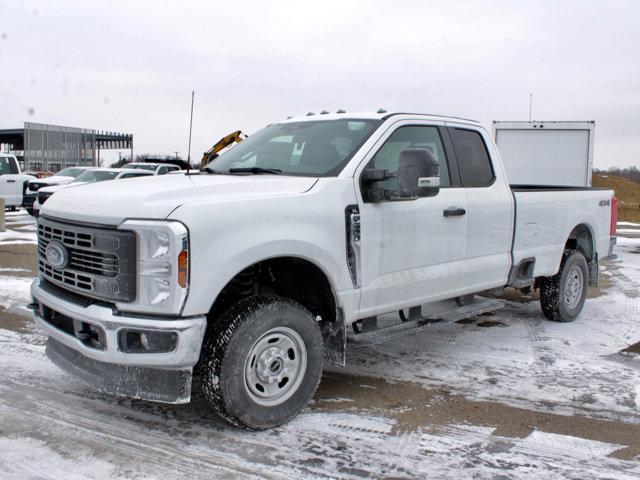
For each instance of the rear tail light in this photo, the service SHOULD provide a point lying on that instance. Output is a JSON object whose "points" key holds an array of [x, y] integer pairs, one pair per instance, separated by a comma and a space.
{"points": [[614, 216]]}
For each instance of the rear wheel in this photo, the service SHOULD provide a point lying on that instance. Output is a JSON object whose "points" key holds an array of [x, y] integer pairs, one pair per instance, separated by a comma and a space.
{"points": [[563, 295], [262, 361], [30, 211]]}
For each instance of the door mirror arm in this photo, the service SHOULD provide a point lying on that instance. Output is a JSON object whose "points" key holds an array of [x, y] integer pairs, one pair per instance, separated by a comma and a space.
{"points": [[373, 193]]}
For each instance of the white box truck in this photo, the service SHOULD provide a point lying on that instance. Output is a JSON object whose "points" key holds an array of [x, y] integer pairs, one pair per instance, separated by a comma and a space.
{"points": [[546, 153]]}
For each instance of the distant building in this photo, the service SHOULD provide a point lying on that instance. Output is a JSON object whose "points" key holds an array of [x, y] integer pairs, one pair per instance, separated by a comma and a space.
{"points": [[41, 147]]}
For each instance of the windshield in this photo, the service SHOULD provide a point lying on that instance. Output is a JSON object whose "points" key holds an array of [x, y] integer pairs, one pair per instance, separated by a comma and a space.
{"points": [[70, 172], [92, 176], [315, 148], [142, 166]]}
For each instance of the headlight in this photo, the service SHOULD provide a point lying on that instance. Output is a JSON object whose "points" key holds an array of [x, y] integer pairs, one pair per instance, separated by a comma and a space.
{"points": [[162, 266]]}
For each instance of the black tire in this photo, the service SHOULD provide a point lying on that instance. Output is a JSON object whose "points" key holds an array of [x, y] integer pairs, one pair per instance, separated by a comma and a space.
{"points": [[553, 290], [30, 211], [242, 330]]}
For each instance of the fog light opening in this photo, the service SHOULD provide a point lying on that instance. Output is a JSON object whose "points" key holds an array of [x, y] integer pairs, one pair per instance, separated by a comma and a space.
{"points": [[141, 341]]}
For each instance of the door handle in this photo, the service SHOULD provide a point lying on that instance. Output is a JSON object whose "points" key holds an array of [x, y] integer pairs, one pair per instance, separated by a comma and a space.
{"points": [[11, 181], [454, 212]]}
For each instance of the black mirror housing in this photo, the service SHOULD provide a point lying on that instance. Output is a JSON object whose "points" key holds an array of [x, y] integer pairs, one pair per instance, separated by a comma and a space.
{"points": [[418, 174]]}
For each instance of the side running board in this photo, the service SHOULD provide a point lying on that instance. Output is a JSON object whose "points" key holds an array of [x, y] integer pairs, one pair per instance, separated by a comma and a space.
{"points": [[414, 325]]}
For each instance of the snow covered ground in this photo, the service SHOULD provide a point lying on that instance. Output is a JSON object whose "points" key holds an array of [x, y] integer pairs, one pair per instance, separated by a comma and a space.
{"points": [[510, 395]]}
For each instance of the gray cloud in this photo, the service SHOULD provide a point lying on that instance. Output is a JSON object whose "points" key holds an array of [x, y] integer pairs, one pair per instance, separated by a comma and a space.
{"points": [[131, 66]]}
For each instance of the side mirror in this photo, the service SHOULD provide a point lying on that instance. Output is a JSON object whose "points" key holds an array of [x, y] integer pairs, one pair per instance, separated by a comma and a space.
{"points": [[418, 174]]}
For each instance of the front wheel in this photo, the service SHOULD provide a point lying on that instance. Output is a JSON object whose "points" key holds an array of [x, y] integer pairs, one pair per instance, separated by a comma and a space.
{"points": [[261, 362], [563, 295]]}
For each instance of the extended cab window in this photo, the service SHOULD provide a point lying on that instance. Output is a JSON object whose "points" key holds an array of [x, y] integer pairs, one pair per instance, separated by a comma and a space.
{"points": [[388, 157], [472, 156]]}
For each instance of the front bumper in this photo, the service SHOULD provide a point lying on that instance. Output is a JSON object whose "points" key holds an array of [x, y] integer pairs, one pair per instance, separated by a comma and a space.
{"points": [[139, 375]]}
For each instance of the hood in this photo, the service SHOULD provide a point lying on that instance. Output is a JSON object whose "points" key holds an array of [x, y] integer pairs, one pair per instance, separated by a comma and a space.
{"points": [[156, 197], [55, 188], [38, 183]]}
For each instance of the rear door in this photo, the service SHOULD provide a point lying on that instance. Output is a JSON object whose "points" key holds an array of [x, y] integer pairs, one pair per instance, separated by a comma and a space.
{"points": [[10, 184], [410, 251], [490, 207]]}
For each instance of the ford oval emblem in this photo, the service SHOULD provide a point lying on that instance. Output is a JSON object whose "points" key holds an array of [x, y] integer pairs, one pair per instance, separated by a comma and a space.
{"points": [[57, 254]]}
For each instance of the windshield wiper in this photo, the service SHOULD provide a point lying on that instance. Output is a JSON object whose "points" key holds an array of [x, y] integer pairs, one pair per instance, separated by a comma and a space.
{"points": [[255, 170], [212, 171]]}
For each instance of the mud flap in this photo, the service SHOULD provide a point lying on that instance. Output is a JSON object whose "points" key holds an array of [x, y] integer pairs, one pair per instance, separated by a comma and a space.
{"points": [[593, 271], [154, 384], [334, 335]]}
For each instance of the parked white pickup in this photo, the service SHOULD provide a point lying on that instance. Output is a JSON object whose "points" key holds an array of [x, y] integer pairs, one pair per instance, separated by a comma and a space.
{"points": [[255, 267], [12, 181]]}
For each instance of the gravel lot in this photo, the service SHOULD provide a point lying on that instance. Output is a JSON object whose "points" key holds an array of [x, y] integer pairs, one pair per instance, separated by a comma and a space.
{"points": [[510, 395]]}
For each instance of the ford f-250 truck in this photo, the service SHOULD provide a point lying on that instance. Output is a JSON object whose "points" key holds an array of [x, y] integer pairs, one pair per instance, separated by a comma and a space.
{"points": [[248, 273]]}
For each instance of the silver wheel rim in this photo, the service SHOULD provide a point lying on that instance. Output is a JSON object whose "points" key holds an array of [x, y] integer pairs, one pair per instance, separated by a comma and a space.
{"points": [[275, 366], [574, 286]]}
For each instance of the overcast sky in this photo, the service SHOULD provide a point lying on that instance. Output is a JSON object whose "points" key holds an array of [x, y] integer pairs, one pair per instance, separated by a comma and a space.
{"points": [[130, 66]]}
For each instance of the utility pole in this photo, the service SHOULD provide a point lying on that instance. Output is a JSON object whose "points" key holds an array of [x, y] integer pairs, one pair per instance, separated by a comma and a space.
{"points": [[176, 152], [190, 128], [530, 105]]}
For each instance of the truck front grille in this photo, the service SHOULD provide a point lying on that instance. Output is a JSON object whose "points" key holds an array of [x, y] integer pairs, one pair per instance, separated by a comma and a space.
{"points": [[99, 262]]}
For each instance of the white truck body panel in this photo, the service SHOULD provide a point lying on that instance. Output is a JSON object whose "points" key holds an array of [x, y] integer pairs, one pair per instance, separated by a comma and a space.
{"points": [[12, 184], [546, 153], [541, 227]]}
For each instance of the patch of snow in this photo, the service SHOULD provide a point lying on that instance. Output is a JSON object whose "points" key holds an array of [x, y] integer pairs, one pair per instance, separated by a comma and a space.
{"points": [[9, 235], [28, 458], [14, 291]]}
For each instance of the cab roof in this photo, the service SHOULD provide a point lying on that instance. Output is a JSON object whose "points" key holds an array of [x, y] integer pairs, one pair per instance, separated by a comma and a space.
{"points": [[370, 115]]}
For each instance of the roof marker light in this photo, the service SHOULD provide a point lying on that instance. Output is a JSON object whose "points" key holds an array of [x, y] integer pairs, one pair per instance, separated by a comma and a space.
{"points": [[381, 110], [310, 113], [324, 112], [341, 111]]}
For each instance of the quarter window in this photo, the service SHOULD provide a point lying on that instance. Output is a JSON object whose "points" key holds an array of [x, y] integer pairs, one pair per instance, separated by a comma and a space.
{"points": [[473, 158], [414, 136]]}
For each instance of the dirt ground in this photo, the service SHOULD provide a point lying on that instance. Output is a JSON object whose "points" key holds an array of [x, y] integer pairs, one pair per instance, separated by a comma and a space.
{"points": [[508, 395]]}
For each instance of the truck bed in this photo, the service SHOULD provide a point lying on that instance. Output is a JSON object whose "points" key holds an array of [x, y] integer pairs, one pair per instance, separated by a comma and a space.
{"points": [[546, 215]]}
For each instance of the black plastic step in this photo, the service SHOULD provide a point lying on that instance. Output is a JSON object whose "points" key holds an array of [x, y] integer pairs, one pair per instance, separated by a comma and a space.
{"points": [[410, 327]]}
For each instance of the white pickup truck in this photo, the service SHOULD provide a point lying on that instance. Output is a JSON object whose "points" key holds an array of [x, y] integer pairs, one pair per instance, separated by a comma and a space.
{"points": [[248, 273], [13, 182]]}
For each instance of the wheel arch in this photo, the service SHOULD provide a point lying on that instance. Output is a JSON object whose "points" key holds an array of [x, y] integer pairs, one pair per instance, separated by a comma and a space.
{"points": [[582, 239], [291, 276], [297, 278]]}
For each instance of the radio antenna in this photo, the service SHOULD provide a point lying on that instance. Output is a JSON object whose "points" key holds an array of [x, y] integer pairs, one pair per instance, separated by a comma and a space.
{"points": [[530, 105], [190, 129]]}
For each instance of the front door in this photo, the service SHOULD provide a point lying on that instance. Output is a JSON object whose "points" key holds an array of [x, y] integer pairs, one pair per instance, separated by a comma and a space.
{"points": [[411, 251], [10, 186]]}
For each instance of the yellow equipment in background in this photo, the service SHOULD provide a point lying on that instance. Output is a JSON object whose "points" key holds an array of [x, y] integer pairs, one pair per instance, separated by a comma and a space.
{"points": [[212, 153]]}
